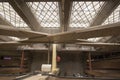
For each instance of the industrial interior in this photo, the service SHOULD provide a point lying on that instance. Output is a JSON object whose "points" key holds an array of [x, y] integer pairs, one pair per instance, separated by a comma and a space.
{"points": [[59, 39]]}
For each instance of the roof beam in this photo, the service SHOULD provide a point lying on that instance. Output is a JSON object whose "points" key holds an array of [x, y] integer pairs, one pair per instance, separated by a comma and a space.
{"points": [[65, 9], [9, 31], [25, 13], [106, 10], [73, 36], [4, 22], [99, 44], [5, 38], [61, 14]]}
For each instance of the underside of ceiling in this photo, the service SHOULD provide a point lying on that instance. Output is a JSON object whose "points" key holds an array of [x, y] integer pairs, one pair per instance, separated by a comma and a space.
{"points": [[56, 16]]}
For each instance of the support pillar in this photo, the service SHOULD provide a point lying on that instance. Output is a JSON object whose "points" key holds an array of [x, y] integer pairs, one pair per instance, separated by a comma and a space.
{"points": [[90, 63], [22, 61], [48, 53], [54, 63]]}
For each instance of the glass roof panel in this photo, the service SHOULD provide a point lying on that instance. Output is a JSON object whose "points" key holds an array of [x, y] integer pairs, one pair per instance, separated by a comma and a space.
{"points": [[14, 38], [83, 13], [10, 15], [114, 17], [46, 12], [94, 39]]}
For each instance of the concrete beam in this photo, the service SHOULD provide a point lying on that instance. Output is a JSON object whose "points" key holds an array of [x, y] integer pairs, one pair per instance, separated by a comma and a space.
{"points": [[99, 44], [61, 15], [73, 36], [4, 22], [67, 12], [107, 8], [25, 13], [65, 9], [5, 38]]}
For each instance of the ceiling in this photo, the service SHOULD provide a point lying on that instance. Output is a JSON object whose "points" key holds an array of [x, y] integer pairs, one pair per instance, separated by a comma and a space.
{"points": [[55, 16]]}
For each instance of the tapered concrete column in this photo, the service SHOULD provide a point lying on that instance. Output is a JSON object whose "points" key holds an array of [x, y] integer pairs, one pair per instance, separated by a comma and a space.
{"points": [[90, 63], [54, 63], [22, 61], [49, 54]]}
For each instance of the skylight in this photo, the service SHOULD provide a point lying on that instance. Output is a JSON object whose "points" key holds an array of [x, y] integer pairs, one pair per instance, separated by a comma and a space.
{"points": [[83, 13], [46, 12], [114, 17], [14, 38], [95, 39], [9, 14]]}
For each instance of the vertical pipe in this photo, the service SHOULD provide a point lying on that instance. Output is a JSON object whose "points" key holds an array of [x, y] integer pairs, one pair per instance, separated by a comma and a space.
{"points": [[90, 63], [48, 53], [54, 64], [22, 60]]}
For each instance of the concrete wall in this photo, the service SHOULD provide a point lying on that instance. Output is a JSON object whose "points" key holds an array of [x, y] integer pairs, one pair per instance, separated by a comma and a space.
{"points": [[38, 60], [70, 62]]}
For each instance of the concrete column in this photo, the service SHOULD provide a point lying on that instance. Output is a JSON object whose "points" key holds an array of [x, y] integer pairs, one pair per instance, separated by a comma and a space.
{"points": [[54, 63]]}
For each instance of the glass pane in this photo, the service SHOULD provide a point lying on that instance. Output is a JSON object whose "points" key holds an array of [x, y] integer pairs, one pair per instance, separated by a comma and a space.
{"points": [[46, 12], [95, 39], [82, 13], [9, 14], [14, 38]]}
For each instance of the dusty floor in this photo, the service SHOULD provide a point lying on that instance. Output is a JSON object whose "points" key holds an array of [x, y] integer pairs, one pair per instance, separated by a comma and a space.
{"points": [[36, 77], [7, 77]]}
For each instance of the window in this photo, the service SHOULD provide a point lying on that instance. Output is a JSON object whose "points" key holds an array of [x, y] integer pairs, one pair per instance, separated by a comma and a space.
{"points": [[83, 13], [46, 12], [95, 39], [9, 14]]}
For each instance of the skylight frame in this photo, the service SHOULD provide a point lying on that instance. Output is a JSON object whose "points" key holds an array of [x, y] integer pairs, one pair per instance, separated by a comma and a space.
{"points": [[43, 12], [83, 13], [11, 16]]}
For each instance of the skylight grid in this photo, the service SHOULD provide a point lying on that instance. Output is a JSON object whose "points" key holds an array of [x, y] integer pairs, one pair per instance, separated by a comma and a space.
{"points": [[9, 14], [83, 13], [46, 12], [94, 39], [14, 38], [114, 17]]}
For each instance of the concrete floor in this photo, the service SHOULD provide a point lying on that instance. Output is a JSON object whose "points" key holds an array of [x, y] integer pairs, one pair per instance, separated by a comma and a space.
{"points": [[36, 77], [7, 77]]}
